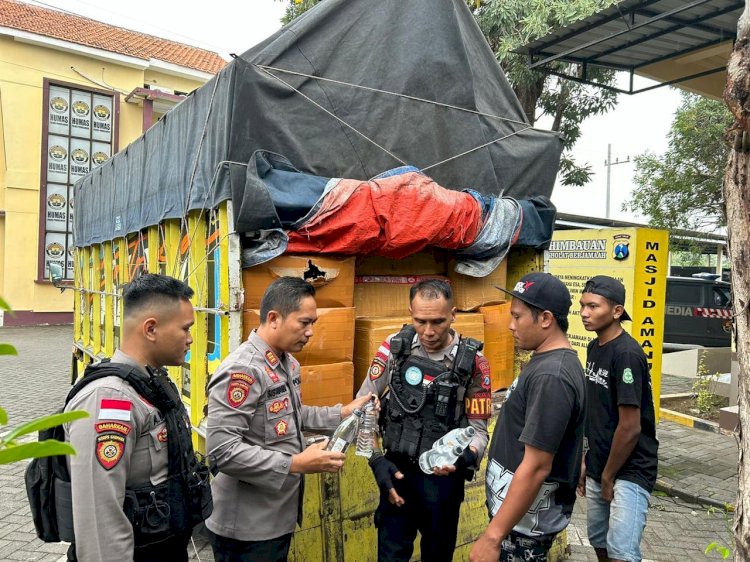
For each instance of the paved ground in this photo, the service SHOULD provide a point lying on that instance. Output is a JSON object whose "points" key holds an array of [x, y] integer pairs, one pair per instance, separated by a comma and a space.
{"points": [[698, 462]]}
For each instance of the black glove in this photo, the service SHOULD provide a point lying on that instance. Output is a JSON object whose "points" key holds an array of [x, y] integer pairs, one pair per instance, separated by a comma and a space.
{"points": [[466, 463], [383, 470]]}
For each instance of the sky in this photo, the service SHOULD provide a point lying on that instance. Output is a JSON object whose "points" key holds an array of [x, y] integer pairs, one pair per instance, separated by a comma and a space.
{"points": [[638, 123]]}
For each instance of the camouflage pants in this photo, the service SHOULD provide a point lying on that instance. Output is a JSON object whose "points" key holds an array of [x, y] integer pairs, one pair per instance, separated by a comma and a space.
{"points": [[517, 548]]}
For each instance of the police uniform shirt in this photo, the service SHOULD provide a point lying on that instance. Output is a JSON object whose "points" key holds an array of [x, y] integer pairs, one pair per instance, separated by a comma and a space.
{"points": [[478, 396], [123, 443], [255, 423]]}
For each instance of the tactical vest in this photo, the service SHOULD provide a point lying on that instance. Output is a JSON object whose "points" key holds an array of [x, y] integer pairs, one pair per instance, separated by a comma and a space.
{"points": [[416, 415], [157, 512]]}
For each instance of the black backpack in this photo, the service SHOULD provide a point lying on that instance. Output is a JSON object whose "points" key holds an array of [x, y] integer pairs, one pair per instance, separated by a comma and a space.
{"points": [[48, 481]]}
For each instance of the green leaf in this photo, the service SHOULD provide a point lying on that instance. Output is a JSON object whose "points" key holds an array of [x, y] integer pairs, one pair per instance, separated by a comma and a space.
{"points": [[7, 349], [710, 547], [3, 416], [4, 305], [45, 423], [47, 448]]}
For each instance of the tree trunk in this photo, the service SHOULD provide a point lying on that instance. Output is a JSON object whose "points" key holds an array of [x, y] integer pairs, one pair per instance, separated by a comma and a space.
{"points": [[737, 201]]}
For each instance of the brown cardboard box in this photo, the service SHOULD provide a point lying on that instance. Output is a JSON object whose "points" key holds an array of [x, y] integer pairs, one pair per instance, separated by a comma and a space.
{"points": [[428, 262], [332, 341], [384, 295], [333, 278], [469, 293], [499, 346], [327, 385], [371, 332]]}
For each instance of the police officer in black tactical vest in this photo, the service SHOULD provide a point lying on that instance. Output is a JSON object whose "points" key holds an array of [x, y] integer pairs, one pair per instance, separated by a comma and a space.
{"points": [[137, 487], [430, 380]]}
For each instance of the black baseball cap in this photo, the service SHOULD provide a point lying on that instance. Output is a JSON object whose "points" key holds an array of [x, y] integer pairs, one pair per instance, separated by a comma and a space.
{"points": [[609, 288], [543, 291]]}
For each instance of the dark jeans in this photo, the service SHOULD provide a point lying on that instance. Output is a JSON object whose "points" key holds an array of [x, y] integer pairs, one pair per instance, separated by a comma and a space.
{"points": [[232, 550], [519, 548], [432, 504]]}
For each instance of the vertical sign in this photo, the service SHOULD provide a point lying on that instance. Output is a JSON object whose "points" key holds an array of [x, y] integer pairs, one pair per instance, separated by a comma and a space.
{"points": [[79, 138], [635, 256]]}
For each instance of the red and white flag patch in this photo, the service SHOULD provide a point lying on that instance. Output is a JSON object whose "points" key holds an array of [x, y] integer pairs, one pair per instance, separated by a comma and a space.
{"points": [[115, 409]]}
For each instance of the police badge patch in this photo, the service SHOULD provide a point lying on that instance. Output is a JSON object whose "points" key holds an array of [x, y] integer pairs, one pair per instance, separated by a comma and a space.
{"points": [[281, 428], [376, 368], [109, 449], [239, 388]]}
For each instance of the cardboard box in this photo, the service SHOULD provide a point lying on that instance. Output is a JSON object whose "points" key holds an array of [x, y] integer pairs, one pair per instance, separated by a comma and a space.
{"points": [[499, 346], [333, 278], [371, 332], [469, 293], [332, 341], [327, 385], [384, 295], [429, 262]]}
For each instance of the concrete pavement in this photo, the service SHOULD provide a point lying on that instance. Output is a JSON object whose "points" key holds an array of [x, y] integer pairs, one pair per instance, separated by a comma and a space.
{"points": [[699, 463]]}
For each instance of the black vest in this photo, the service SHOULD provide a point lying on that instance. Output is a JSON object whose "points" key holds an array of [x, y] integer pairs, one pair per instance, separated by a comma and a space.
{"points": [[157, 512], [416, 415]]}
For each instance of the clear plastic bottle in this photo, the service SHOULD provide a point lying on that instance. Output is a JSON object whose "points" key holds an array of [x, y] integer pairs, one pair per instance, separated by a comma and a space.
{"points": [[440, 456], [367, 431], [345, 433], [460, 436]]}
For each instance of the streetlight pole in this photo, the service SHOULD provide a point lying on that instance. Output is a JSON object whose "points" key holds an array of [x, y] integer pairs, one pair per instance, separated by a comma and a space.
{"points": [[608, 163]]}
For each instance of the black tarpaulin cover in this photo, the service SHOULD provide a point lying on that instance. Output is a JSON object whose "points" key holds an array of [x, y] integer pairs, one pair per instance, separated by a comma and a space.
{"points": [[196, 155]]}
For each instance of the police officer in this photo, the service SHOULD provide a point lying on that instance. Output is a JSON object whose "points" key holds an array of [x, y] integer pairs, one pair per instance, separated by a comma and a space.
{"points": [[255, 424], [432, 381], [123, 445]]}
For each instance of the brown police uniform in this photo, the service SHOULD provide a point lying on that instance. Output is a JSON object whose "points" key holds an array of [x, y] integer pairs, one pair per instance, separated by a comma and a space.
{"points": [[255, 423], [478, 397], [123, 443]]}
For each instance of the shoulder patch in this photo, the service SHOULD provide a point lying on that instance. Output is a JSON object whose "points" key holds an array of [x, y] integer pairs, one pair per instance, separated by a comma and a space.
{"points": [[110, 409], [111, 426], [479, 406], [110, 448], [627, 376], [239, 388], [384, 351], [376, 368], [482, 369]]}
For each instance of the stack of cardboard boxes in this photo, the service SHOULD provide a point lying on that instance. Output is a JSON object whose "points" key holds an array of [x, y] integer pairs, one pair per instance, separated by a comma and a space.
{"points": [[326, 360], [363, 301]]}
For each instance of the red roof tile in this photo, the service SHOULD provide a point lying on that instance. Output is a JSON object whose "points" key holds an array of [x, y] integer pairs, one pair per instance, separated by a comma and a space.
{"points": [[85, 31]]}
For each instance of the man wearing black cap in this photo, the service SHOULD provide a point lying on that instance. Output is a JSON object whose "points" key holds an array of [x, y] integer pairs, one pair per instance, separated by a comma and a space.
{"points": [[619, 469], [533, 462]]}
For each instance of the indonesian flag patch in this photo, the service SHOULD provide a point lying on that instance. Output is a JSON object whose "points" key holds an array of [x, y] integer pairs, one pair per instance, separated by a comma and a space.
{"points": [[115, 409], [109, 449]]}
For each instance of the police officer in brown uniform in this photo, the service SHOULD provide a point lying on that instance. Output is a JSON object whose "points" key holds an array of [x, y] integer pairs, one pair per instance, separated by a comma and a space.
{"points": [[255, 423], [123, 445], [432, 366]]}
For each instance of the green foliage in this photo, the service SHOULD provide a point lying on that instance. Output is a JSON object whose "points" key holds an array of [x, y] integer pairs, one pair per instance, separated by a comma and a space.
{"points": [[705, 400], [723, 551], [10, 449], [6, 348], [682, 188], [509, 24]]}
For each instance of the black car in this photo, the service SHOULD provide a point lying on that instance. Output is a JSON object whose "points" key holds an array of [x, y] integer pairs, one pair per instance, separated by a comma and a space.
{"points": [[698, 312]]}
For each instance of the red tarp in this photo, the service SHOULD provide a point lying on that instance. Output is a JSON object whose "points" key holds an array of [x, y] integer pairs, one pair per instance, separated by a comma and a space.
{"points": [[393, 217]]}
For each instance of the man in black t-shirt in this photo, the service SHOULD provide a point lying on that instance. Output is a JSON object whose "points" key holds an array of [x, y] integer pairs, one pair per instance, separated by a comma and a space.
{"points": [[619, 469], [533, 461]]}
